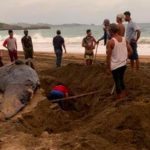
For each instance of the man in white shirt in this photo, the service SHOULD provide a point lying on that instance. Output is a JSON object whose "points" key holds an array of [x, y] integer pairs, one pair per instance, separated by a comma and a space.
{"points": [[11, 44]]}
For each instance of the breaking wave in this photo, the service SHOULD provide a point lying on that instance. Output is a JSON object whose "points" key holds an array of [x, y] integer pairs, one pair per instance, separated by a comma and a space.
{"points": [[39, 38], [73, 44]]}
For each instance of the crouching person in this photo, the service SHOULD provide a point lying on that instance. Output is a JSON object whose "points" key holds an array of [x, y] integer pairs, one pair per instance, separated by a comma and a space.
{"points": [[61, 91]]}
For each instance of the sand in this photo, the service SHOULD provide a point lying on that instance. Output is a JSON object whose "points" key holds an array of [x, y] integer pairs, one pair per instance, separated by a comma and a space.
{"points": [[99, 122]]}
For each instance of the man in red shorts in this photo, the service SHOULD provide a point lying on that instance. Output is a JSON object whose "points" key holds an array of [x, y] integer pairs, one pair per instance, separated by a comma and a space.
{"points": [[11, 44]]}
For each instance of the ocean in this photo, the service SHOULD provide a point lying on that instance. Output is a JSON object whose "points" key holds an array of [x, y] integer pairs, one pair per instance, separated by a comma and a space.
{"points": [[73, 34]]}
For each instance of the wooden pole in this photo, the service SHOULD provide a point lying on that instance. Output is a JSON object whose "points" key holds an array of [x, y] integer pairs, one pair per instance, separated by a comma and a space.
{"points": [[96, 52], [76, 96]]}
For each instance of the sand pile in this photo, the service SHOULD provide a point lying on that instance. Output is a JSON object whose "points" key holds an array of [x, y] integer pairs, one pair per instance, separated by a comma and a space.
{"points": [[99, 122]]}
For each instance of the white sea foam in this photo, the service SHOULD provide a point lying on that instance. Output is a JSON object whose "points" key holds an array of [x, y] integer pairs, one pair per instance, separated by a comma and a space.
{"points": [[73, 44], [144, 40]]}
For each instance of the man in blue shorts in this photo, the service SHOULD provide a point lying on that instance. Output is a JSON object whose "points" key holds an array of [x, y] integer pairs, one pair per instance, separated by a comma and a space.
{"points": [[132, 34]]}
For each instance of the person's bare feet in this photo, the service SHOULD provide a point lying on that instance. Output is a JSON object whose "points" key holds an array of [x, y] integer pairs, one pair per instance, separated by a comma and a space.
{"points": [[122, 95]]}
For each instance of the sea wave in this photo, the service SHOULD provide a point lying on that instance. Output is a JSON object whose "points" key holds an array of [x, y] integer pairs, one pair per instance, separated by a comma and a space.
{"points": [[39, 38], [144, 40]]}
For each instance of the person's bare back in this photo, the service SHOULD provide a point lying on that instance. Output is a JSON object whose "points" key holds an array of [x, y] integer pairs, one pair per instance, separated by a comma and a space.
{"points": [[121, 29], [119, 20]]}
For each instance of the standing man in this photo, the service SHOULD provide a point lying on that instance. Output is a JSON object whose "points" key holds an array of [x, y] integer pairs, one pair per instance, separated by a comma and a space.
{"points": [[28, 48], [89, 44], [11, 44], [106, 35], [118, 50], [27, 45], [59, 44], [119, 20], [132, 34]]}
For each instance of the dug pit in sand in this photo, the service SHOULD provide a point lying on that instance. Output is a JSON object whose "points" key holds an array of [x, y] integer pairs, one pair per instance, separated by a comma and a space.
{"points": [[99, 123], [17, 84]]}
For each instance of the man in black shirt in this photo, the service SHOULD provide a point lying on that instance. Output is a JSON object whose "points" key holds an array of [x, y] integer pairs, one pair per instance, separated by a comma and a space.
{"points": [[28, 48], [27, 45], [59, 44]]}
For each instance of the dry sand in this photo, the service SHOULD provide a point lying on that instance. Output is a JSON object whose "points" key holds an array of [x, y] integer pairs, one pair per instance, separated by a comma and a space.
{"points": [[100, 122]]}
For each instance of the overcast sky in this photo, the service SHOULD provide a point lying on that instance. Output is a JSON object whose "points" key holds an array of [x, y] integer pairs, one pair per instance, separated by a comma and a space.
{"points": [[71, 11]]}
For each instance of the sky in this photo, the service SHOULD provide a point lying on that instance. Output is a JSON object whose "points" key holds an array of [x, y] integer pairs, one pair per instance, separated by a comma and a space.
{"points": [[71, 11]]}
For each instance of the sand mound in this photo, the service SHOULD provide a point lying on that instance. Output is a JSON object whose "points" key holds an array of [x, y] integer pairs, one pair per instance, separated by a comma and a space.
{"points": [[99, 122]]}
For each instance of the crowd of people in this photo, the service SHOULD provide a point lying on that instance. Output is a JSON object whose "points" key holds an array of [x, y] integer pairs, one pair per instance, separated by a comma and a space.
{"points": [[119, 48], [121, 45]]}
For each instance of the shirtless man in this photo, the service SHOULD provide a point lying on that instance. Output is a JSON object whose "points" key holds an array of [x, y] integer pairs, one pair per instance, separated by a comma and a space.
{"points": [[89, 44], [119, 20]]}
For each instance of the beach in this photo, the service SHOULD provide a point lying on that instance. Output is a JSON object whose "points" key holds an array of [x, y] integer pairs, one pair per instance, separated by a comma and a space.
{"points": [[100, 122], [73, 35]]}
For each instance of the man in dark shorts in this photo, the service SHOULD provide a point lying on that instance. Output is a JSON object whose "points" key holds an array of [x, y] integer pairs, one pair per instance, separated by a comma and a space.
{"points": [[27, 45], [132, 34], [89, 44], [59, 44], [28, 48]]}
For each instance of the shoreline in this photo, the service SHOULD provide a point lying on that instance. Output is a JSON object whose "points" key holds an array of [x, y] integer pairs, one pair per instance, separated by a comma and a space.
{"points": [[77, 56]]}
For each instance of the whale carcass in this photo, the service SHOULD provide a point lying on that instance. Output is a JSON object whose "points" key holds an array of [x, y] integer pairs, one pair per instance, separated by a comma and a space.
{"points": [[18, 82]]}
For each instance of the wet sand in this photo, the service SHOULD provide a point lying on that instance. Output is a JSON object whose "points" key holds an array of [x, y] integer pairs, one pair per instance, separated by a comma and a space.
{"points": [[99, 122]]}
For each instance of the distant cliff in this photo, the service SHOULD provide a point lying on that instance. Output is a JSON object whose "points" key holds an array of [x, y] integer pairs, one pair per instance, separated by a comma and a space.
{"points": [[4, 26], [19, 26]]}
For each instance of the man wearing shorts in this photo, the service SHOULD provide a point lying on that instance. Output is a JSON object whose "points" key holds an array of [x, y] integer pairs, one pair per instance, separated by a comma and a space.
{"points": [[11, 44], [27, 45], [132, 34], [89, 44], [28, 48]]}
